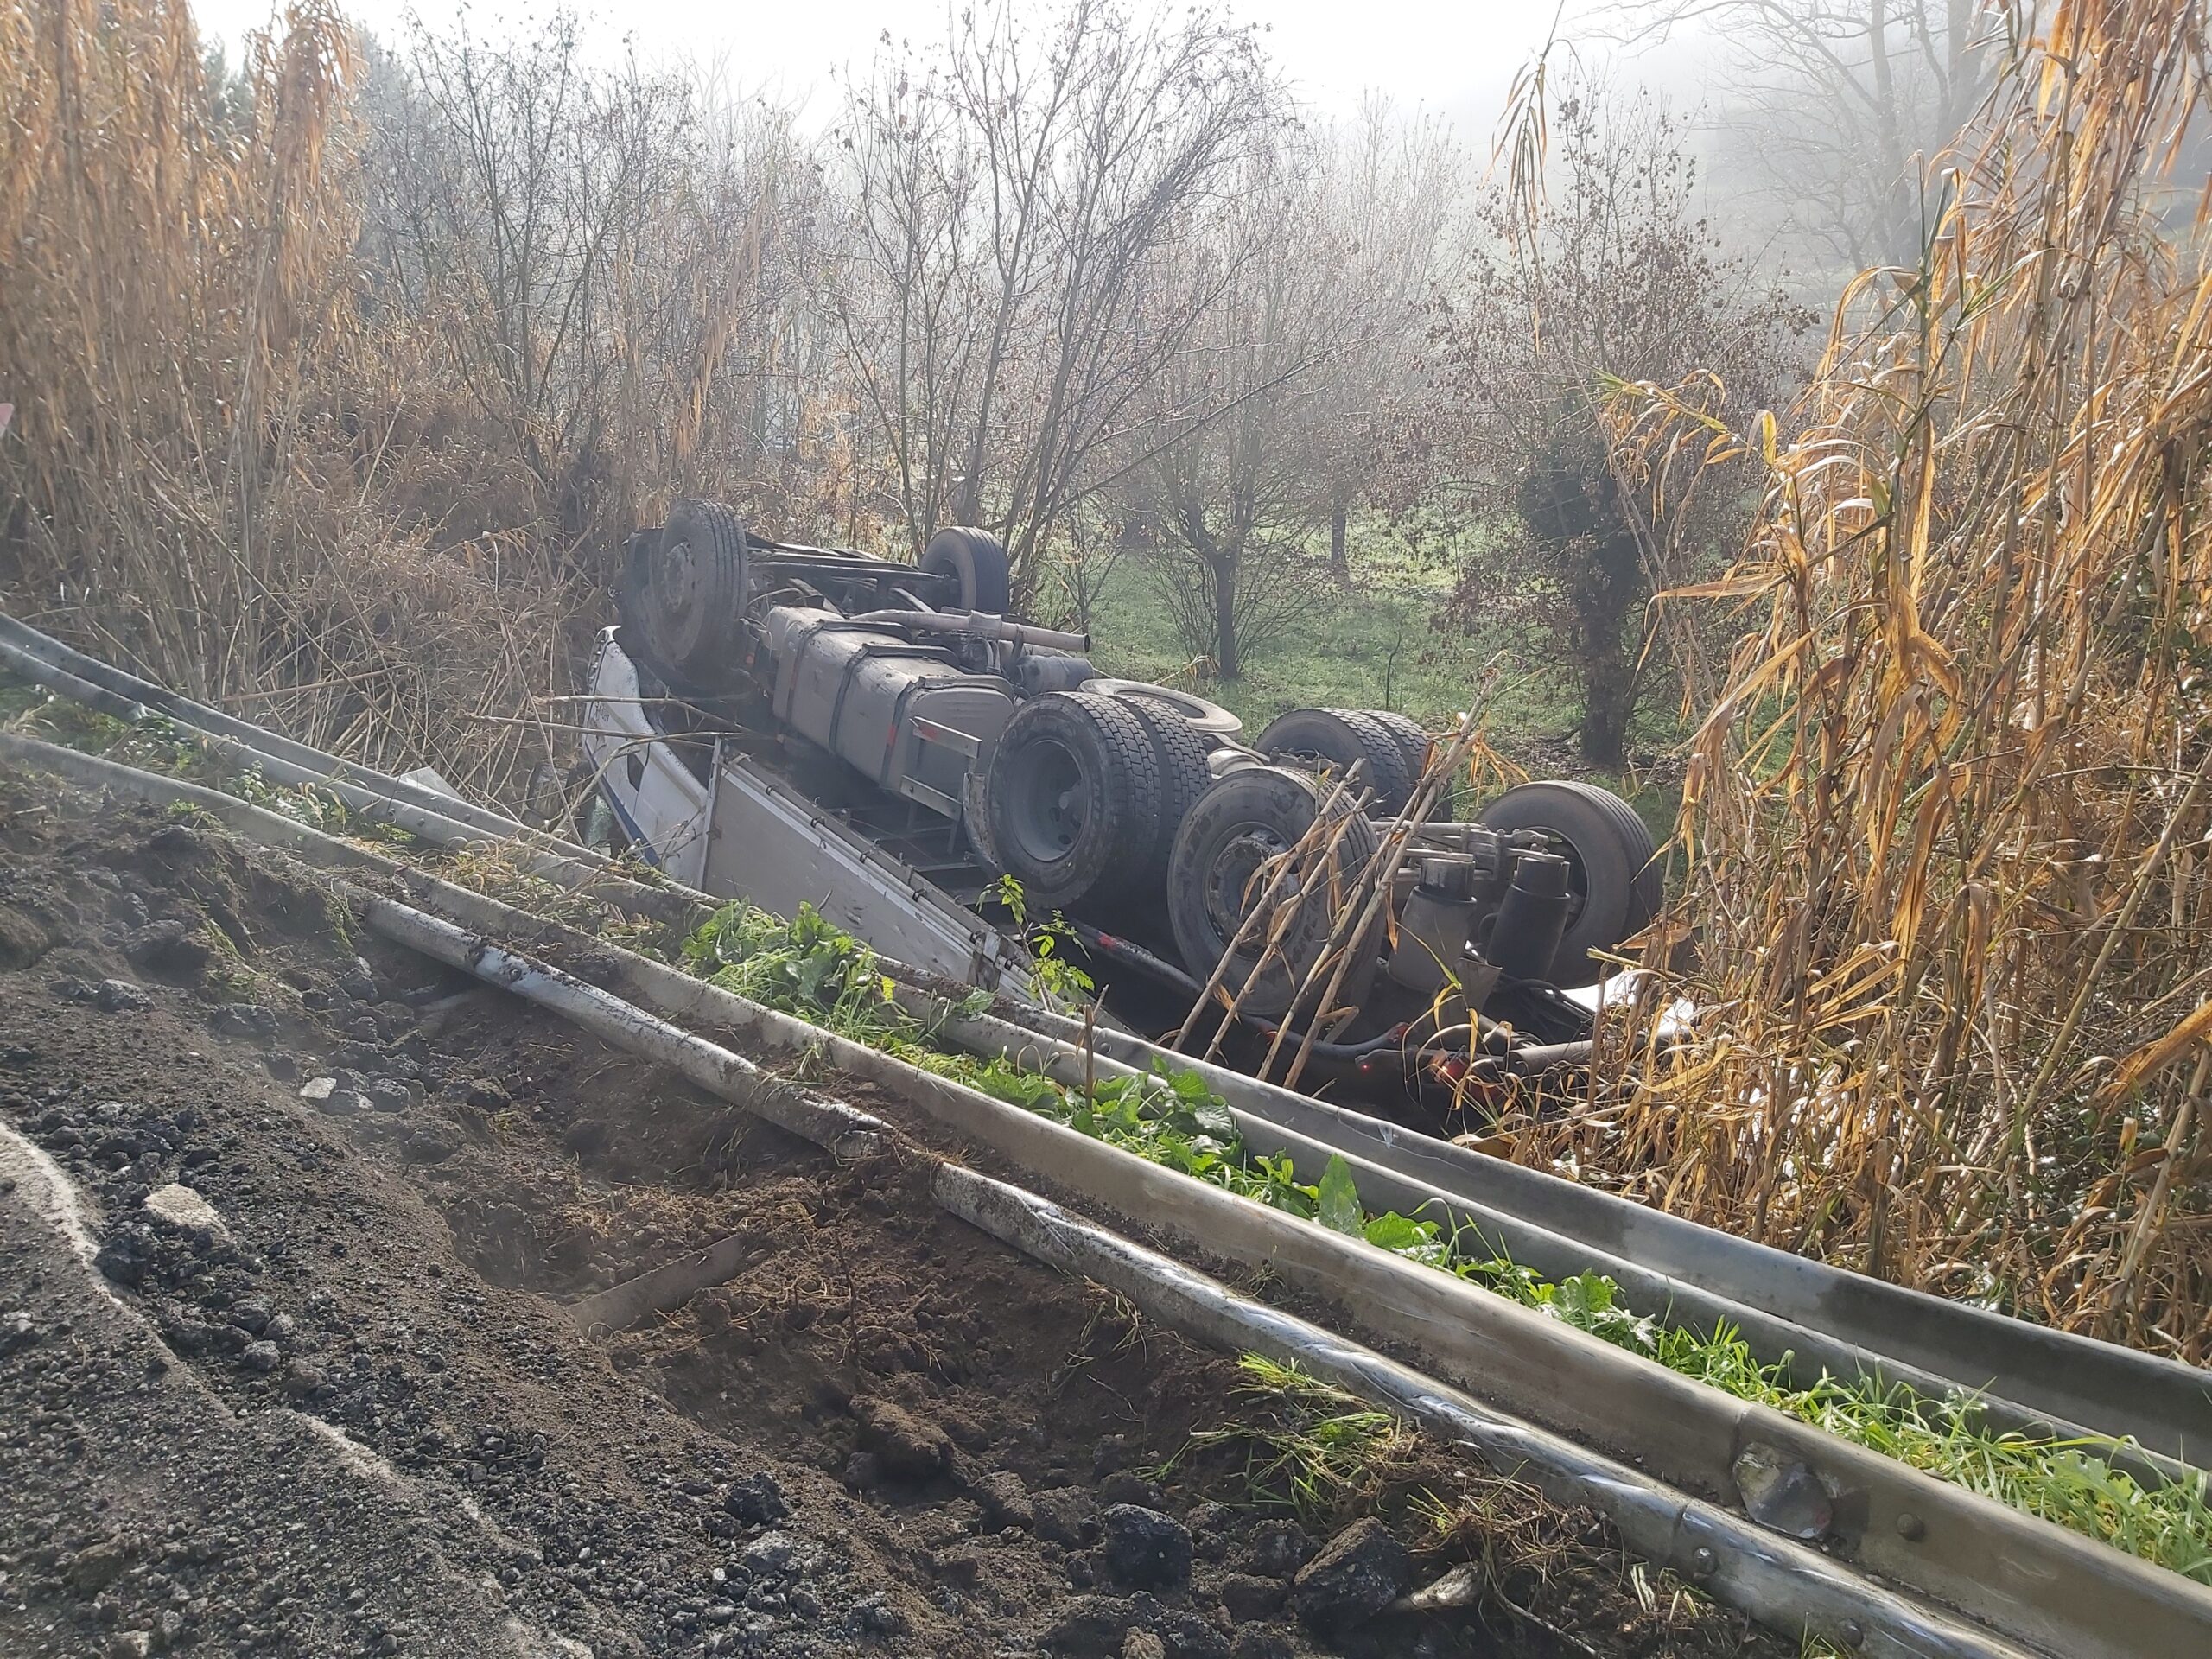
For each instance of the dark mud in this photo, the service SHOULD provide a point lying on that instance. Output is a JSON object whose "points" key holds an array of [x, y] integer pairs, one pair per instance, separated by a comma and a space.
{"points": [[884, 1433]]}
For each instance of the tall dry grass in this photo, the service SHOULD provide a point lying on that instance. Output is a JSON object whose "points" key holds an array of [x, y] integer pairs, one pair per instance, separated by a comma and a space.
{"points": [[1948, 833], [341, 379], [182, 486]]}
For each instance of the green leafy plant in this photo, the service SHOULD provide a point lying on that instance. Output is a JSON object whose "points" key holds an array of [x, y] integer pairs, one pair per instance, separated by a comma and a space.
{"points": [[1059, 980], [807, 966]]}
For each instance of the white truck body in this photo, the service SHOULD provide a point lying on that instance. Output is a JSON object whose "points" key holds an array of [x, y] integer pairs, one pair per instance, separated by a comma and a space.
{"points": [[744, 832]]}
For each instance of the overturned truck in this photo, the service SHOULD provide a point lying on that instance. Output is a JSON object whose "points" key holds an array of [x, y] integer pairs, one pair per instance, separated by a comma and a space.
{"points": [[802, 725]]}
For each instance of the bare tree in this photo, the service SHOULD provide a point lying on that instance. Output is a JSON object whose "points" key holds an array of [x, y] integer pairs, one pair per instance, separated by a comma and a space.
{"points": [[1320, 263], [1010, 194], [1832, 110], [1398, 193], [614, 266], [507, 182], [1232, 493], [1621, 282]]}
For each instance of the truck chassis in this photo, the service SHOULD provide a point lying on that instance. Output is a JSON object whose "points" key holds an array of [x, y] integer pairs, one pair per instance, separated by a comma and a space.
{"points": [[800, 726]]}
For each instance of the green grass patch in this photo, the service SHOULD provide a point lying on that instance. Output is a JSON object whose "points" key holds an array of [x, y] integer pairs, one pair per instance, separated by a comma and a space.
{"points": [[1375, 644], [2071, 1482]]}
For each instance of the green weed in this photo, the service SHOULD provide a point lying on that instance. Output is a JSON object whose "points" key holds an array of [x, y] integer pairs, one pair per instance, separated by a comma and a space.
{"points": [[1058, 980], [2071, 1482], [1308, 1446]]}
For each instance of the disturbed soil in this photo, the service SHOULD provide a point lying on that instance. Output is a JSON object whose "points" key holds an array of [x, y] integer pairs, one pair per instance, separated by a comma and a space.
{"points": [[288, 1218]]}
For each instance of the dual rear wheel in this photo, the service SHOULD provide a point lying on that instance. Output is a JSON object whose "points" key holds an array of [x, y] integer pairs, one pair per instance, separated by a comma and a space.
{"points": [[1106, 801], [1217, 876], [1073, 798]]}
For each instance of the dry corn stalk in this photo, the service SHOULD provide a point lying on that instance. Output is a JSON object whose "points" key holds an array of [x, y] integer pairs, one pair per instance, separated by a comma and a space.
{"points": [[1947, 825]]}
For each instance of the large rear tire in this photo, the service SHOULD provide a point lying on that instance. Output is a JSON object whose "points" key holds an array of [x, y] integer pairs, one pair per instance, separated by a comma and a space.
{"points": [[977, 561], [695, 593], [1335, 739], [1413, 740], [1180, 755], [1073, 799], [1217, 873], [1614, 883]]}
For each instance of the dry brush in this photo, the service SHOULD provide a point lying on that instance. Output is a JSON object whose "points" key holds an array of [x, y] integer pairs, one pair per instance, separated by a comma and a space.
{"points": [[1947, 834], [338, 378]]}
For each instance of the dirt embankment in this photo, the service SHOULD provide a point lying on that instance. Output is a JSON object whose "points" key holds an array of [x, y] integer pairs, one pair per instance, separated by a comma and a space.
{"points": [[306, 1385]]}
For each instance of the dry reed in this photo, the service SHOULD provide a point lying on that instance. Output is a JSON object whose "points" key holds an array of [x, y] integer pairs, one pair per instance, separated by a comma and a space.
{"points": [[185, 488], [1945, 832], [264, 448]]}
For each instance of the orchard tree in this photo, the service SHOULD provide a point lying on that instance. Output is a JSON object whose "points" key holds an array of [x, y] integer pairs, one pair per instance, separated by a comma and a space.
{"points": [[1317, 267], [1618, 280], [1223, 481], [612, 266], [1397, 206], [1010, 197]]}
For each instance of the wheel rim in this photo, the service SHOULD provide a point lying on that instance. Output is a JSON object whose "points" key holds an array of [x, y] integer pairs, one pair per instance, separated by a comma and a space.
{"points": [[1230, 878], [1051, 806], [679, 578]]}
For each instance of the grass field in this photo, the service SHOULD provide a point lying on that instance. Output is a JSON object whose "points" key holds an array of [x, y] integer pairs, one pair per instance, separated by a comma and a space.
{"points": [[1376, 643]]}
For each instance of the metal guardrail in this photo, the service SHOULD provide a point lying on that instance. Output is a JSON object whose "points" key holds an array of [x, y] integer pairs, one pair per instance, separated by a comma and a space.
{"points": [[44, 651], [2026, 1375]]}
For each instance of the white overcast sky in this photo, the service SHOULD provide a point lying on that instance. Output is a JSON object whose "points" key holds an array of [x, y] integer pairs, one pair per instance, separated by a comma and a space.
{"points": [[1459, 58]]}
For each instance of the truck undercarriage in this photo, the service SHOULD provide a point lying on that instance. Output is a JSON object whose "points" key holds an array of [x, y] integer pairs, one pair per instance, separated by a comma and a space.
{"points": [[800, 726]]}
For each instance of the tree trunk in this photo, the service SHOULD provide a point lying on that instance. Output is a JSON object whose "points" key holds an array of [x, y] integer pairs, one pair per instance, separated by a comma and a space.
{"points": [[1339, 548], [1224, 618], [1609, 687], [1604, 595]]}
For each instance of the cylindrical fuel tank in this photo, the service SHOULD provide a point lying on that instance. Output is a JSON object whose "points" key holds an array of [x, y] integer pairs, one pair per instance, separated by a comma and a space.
{"points": [[906, 715]]}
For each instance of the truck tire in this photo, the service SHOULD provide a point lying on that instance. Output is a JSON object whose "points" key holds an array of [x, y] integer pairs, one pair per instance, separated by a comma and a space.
{"points": [[1614, 882], [1180, 754], [1414, 742], [1073, 798], [1336, 739], [1214, 877], [637, 555], [1208, 719], [695, 593], [977, 561]]}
